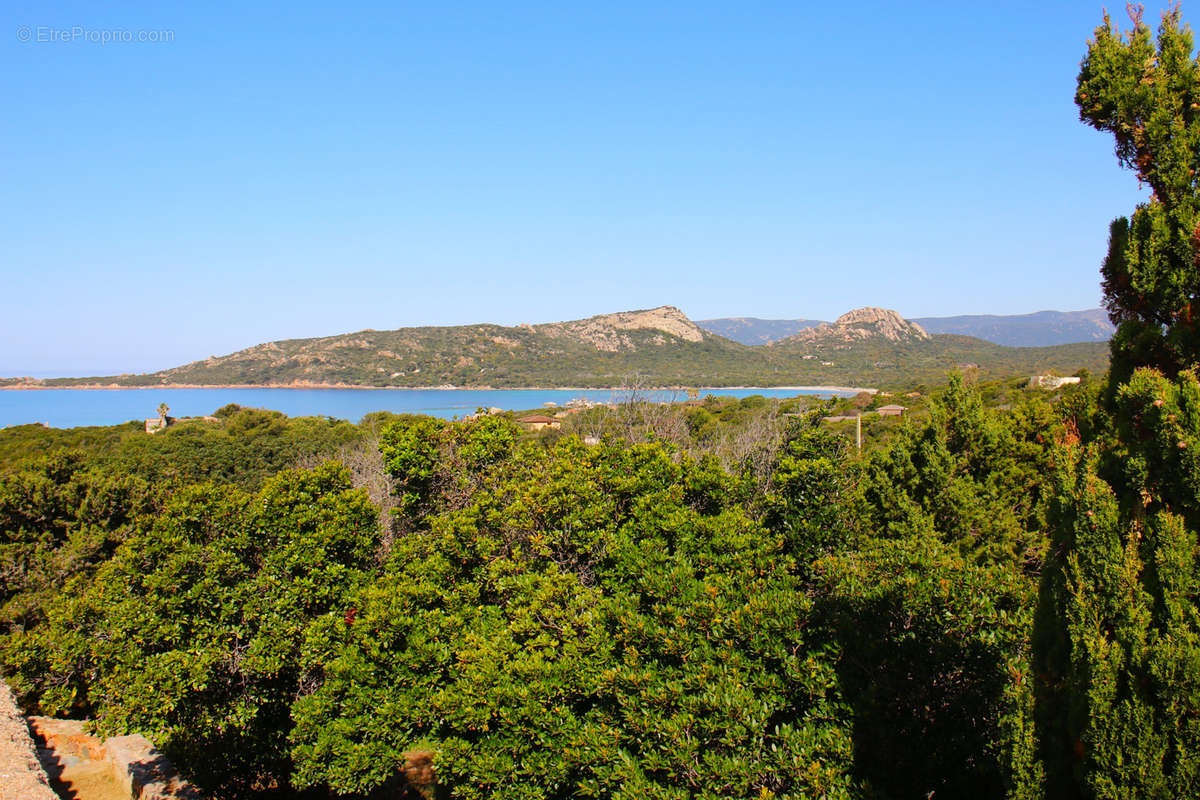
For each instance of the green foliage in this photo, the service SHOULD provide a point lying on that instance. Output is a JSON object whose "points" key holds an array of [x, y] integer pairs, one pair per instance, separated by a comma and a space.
{"points": [[812, 503], [487, 441], [244, 447], [934, 614], [596, 621], [59, 520], [971, 476], [433, 460], [1146, 93], [410, 455], [737, 607], [22, 444], [192, 632], [1118, 644], [1117, 640], [1159, 422], [934, 663]]}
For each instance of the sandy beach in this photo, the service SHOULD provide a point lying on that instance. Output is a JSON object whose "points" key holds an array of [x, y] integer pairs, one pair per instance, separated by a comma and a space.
{"points": [[443, 388]]}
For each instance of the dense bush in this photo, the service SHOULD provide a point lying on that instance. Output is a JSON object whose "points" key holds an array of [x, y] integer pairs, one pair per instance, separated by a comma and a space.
{"points": [[934, 664], [243, 446], [192, 632], [752, 611], [596, 621], [972, 476], [59, 520]]}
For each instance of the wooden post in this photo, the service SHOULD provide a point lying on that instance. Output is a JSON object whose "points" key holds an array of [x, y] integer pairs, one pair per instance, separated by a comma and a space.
{"points": [[858, 430]]}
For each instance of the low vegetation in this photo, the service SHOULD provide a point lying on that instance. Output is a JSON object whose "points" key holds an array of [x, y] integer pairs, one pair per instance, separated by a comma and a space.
{"points": [[680, 607]]}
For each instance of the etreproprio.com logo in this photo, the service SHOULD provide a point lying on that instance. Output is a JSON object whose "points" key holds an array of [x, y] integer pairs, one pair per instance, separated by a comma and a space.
{"points": [[75, 34]]}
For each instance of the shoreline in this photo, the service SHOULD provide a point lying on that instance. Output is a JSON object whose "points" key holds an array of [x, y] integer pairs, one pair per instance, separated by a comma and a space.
{"points": [[34, 387]]}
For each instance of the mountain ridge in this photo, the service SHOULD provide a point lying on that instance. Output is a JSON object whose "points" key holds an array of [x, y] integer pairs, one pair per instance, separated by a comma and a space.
{"points": [[1036, 329], [659, 346], [1039, 328]]}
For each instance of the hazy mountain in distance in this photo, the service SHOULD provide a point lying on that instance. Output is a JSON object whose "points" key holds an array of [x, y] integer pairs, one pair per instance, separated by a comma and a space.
{"points": [[1040, 329], [752, 331]]}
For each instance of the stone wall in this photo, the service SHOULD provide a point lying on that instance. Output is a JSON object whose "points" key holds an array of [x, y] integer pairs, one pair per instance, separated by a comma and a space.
{"points": [[39, 753], [21, 774], [128, 766]]}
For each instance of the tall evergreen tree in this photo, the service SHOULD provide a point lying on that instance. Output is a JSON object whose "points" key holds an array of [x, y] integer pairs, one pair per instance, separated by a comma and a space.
{"points": [[1117, 640], [1146, 93]]}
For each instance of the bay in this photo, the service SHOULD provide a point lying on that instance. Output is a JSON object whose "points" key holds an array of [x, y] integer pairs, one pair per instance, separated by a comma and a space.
{"points": [[69, 408]]}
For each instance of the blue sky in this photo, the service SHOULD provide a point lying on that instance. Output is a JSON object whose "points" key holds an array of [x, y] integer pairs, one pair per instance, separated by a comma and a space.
{"points": [[302, 170]]}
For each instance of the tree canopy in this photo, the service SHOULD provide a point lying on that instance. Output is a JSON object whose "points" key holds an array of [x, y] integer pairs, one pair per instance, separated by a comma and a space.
{"points": [[1117, 636]]}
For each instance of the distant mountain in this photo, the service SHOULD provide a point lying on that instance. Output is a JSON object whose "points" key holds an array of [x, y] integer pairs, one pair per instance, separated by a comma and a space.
{"points": [[660, 346], [1041, 329], [1028, 330], [753, 331], [895, 351], [862, 324], [605, 350]]}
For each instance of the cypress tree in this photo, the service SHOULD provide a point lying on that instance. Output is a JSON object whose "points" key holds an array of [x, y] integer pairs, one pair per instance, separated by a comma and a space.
{"points": [[1117, 639]]}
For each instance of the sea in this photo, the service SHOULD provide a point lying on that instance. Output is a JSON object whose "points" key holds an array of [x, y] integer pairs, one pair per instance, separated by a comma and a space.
{"points": [[70, 408]]}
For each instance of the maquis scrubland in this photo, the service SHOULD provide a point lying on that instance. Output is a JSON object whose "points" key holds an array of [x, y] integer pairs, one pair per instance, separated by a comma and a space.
{"points": [[718, 599]]}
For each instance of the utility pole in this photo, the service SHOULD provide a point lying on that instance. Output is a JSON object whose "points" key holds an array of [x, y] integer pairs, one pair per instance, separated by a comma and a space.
{"points": [[858, 430]]}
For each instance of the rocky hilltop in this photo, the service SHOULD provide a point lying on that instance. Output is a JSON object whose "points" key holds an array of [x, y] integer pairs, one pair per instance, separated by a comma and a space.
{"points": [[659, 346], [862, 324], [611, 332]]}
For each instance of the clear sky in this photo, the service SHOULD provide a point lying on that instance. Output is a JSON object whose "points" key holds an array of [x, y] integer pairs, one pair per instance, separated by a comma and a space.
{"points": [[307, 169]]}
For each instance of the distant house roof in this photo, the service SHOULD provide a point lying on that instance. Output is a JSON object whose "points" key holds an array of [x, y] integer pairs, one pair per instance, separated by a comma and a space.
{"points": [[893, 408], [891, 411], [537, 418], [1050, 381]]}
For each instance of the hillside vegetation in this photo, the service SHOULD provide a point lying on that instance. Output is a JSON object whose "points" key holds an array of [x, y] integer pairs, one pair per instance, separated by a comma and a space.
{"points": [[660, 347]]}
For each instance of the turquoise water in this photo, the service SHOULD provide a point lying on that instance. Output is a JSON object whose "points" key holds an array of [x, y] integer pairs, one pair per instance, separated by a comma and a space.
{"points": [[69, 408]]}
